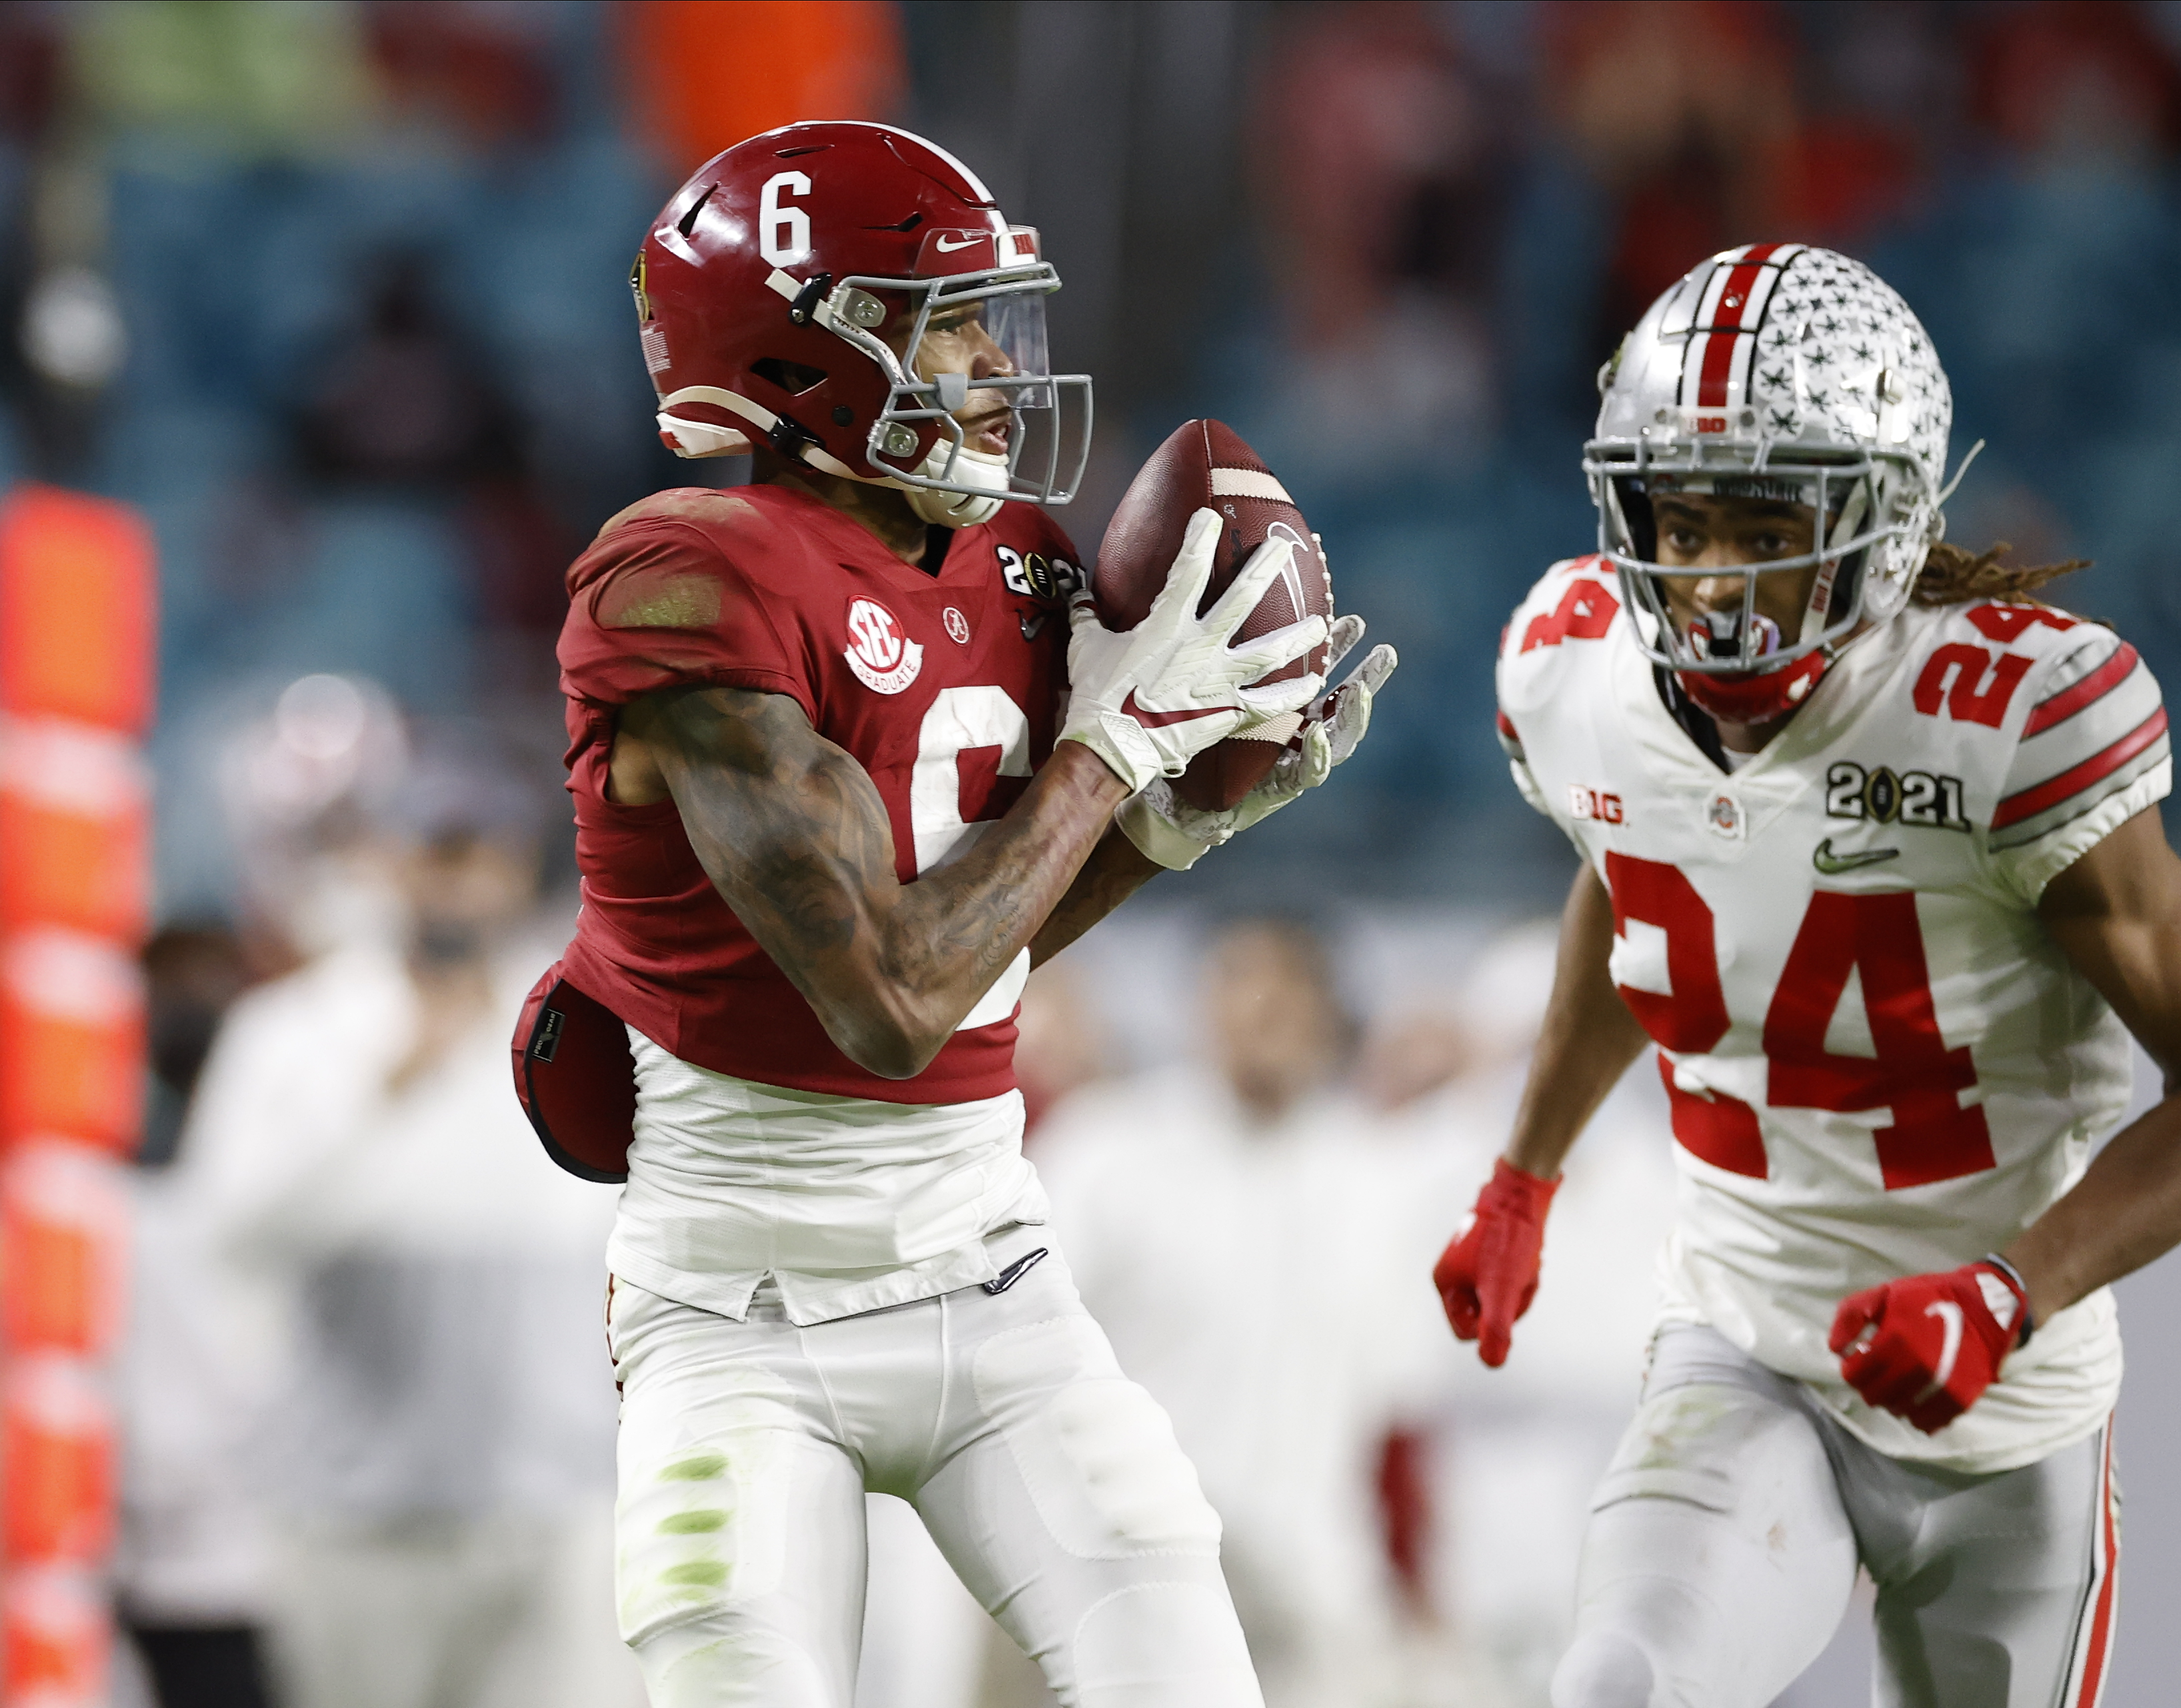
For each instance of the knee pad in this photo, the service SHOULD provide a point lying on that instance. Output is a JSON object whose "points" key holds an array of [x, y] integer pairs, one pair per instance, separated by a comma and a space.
{"points": [[1163, 1646], [1603, 1669], [727, 1661]]}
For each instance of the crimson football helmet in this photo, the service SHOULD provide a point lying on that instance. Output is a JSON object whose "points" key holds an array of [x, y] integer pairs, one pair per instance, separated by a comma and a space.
{"points": [[803, 289], [1774, 371]]}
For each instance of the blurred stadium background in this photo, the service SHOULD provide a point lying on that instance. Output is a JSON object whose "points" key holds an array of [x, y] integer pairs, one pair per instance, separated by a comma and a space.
{"points": [[334, 295]]}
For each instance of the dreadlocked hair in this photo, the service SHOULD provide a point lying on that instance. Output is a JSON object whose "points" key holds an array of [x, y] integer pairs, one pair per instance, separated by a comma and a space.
{"points": [[1952, 576]]}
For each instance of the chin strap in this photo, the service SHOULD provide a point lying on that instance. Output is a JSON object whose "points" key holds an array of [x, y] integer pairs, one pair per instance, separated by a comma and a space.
{"points": [[694, 439], [946, 508]]}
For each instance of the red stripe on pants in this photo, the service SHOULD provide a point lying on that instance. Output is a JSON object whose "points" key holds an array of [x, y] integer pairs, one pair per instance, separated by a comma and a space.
{"points": [[2093, 1665]]}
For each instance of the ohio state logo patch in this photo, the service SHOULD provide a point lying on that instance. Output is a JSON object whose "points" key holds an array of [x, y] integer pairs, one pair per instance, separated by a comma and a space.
{"points": [[884, 658]]}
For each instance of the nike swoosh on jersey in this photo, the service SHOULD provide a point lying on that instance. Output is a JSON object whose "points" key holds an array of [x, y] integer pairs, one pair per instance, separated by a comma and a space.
{"points": [[946, 248], [1823, 857], [1153, 721]]}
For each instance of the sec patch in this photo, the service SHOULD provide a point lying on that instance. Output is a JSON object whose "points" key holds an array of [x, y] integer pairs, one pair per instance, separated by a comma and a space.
{"points": [[880, 651]]}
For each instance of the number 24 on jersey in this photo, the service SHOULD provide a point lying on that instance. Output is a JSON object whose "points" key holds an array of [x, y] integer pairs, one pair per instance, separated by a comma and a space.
{"points": [[1913, 1075]]}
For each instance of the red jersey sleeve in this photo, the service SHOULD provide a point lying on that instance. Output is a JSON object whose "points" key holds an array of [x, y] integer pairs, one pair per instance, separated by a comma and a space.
{"points": [[664, 596]]}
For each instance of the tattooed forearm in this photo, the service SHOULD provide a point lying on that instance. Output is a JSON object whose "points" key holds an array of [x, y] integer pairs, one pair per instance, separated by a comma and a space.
{"points": [[795, 837], [1114, 872]]}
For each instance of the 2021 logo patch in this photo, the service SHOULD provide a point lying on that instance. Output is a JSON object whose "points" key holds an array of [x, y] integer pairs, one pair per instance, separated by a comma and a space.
{"points": [[1880, 795], [1036, 576]]}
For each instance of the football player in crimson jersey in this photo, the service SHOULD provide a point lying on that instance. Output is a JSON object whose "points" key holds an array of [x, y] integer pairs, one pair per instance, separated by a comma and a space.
{"points": [[846, 762], [1870, 855]]}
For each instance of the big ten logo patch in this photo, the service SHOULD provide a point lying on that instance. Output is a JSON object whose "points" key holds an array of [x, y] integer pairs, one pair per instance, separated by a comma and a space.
{"points": [[1035, 576], [880, 651], [1589, 803]]}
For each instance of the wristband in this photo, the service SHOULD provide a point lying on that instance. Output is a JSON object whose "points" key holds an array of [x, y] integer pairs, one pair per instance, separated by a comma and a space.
{"points": [[2022, 1288], [1144, 818]]}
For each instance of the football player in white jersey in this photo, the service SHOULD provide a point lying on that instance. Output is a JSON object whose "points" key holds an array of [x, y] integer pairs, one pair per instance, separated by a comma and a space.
{"points": [[1869, 855]]}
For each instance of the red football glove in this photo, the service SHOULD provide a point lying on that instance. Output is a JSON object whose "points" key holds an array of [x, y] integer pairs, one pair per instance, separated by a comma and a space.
{"points": [[1486, 1276], [1926, 1347]]}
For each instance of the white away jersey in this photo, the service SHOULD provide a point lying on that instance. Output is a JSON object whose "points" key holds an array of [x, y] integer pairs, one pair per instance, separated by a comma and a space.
{"points": [[1880, 1063]]}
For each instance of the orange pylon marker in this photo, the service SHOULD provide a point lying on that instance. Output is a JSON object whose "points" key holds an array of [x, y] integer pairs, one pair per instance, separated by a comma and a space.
{"points": [[78, 627]]}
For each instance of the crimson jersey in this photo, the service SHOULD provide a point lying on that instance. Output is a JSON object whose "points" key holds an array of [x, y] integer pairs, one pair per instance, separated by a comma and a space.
{"points": [[945, 687]]}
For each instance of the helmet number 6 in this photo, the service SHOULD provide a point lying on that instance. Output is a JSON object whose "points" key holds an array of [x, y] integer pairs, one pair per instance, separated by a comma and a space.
{"points": [[783, 232]]}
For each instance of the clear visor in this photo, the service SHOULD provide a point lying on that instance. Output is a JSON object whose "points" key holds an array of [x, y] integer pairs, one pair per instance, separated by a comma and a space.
{"points": [[976, 361], [1742, 618]]}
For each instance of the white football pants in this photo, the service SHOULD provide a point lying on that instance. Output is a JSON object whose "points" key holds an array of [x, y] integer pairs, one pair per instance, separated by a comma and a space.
{"points": [[1052, 1484], [1724, 1541]]}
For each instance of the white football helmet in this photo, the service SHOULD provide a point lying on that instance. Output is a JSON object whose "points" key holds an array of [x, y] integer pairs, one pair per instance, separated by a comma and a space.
{"points": [[1783, 371]]}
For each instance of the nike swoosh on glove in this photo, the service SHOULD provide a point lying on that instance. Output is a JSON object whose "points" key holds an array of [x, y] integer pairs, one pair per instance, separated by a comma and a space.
{"points": [[1149, 699], [1177, 835], [1487, 1275], [1926, 1347]]}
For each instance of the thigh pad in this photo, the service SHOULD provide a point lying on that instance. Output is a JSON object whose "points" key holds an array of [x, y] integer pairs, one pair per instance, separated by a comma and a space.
{"points": [[1095, 1450]]}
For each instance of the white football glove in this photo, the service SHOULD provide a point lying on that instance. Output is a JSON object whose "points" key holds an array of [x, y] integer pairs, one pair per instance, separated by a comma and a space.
{"points": [[1150, 699], [1167, 829]]}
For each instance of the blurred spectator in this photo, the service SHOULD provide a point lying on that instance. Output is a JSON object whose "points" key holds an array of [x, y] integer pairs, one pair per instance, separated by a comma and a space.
{"points": [[301, 791], [193, 974], [400, 401], [30, 46], [702, 77], [1683, 111], [484, 72], [1412, 1054], [1383, 175], [230, 75], [402, 406], [437, 1457], [2062, 80], [1510, 1456], [1227, 1222], [1061, 1044], [189, 1577]]}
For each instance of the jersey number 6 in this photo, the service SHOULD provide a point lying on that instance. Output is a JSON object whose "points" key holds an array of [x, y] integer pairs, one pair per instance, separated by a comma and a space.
{"points": [[1914, 1076], [972, 761]]}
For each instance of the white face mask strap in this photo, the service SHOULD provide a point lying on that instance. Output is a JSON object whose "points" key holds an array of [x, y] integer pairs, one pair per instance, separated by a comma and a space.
{"points": [[1946, 491]]}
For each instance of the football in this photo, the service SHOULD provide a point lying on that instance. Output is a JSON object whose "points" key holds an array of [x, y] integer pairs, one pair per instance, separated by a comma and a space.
{"points": [[1208, 463]]}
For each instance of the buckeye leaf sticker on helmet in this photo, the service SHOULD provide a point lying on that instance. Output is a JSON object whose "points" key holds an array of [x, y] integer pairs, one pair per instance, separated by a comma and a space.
{"points": [[1787, 374]]}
